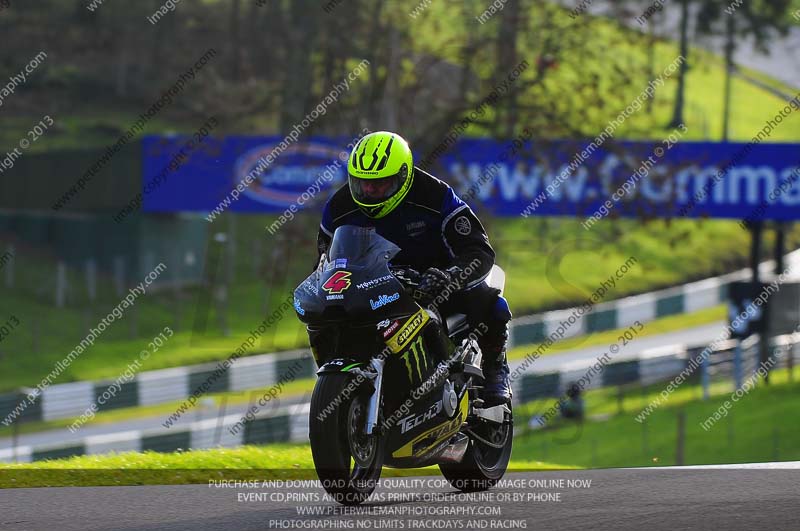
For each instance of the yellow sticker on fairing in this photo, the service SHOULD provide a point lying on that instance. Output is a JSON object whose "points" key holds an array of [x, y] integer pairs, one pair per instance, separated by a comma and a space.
{"points": [[439, 433], [408, 332]]}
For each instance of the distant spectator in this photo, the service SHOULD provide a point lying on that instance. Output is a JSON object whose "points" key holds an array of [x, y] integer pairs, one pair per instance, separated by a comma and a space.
{"points": [[572, 407]]}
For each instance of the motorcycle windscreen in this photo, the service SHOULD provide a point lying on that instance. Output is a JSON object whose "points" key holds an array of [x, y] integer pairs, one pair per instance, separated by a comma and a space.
{"points": [[359, 247], [353, 281]]}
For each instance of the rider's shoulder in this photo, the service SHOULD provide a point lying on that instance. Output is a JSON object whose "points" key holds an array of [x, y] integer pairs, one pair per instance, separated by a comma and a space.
{"points": [[433, 193], [338, 207], [429, 183], [428, 190], [341, 199]]}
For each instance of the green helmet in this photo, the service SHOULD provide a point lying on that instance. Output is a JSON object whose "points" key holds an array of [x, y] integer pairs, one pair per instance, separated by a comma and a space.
{"points": [[380, 172]]}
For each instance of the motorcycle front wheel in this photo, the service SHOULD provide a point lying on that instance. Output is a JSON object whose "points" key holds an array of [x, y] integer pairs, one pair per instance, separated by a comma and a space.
{"points": [[347, 460]]}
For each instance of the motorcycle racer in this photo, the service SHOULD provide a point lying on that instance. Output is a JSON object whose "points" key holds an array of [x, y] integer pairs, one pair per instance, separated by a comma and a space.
{"points": [[437, 233]]}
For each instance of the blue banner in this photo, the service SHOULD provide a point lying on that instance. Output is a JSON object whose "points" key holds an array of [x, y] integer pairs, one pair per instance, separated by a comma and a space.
{"points": [[208, 174], [563, 178]]}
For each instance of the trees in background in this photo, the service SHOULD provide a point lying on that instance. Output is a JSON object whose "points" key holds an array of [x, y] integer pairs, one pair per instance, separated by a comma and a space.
{"points": [[427, 72], [756, 20], [277, 60]]}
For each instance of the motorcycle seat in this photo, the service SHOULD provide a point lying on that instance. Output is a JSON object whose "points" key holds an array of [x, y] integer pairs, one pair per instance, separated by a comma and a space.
{"points": [[456, 323], [497, 278]]}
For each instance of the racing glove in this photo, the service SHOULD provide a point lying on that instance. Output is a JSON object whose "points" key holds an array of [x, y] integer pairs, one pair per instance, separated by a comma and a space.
{"points": [[435, 283]]}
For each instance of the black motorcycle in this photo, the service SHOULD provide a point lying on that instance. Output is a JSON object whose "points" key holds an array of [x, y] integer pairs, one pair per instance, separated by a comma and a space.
{"points": [[399, 385]]}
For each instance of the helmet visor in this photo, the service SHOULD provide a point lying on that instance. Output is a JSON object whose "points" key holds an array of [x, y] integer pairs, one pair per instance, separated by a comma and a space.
{"points": [[375, 191]]}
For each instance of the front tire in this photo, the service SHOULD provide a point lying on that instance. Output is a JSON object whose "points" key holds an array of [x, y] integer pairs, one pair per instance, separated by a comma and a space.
{"points": [[483, 465], [348, 462]]}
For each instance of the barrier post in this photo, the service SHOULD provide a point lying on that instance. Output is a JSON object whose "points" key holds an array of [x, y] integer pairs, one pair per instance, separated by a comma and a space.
{"points": [[645, 449], [737, 365], [680, 439]]}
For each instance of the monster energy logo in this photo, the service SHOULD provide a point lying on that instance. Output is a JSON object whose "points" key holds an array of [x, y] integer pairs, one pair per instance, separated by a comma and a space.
{"points": [[417, 352]]}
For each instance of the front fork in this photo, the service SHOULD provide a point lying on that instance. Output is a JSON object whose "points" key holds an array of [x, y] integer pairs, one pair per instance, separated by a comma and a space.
{"points": [[472, 362], [375, 400]]}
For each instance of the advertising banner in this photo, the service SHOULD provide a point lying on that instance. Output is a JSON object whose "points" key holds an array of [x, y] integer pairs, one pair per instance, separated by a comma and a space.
{"points": [[554, 178]]}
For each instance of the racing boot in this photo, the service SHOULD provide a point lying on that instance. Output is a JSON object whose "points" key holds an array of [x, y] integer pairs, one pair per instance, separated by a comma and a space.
{"points": [[497, 387]]}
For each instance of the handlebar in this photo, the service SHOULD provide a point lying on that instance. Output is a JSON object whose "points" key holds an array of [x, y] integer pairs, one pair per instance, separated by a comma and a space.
{"points": [[410, 279], [406, 275]]}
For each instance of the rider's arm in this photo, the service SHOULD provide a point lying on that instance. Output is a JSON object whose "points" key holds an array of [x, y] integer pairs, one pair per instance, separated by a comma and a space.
{"points": [[466, 240], [323, 243], [324, 235]]}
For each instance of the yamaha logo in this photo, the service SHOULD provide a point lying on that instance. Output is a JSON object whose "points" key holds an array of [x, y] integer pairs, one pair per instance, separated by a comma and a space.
{"points": [[463, 226]]}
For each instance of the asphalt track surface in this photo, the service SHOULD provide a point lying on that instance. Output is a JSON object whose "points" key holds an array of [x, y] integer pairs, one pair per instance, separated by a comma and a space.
{"points": [[616, 499]]}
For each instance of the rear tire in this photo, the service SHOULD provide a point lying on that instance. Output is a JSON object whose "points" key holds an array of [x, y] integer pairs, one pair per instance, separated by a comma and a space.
{"points": [[338, 441], [482, 466]]}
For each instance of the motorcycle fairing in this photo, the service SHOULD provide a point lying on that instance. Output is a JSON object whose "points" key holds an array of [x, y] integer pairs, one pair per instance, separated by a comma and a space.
{"points": [[341, 365], [429, 441], [353, 283]]}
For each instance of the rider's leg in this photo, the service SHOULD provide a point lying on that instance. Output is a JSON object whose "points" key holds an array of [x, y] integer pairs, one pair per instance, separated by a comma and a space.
{"points": [[489, 316], [497, 388]]}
